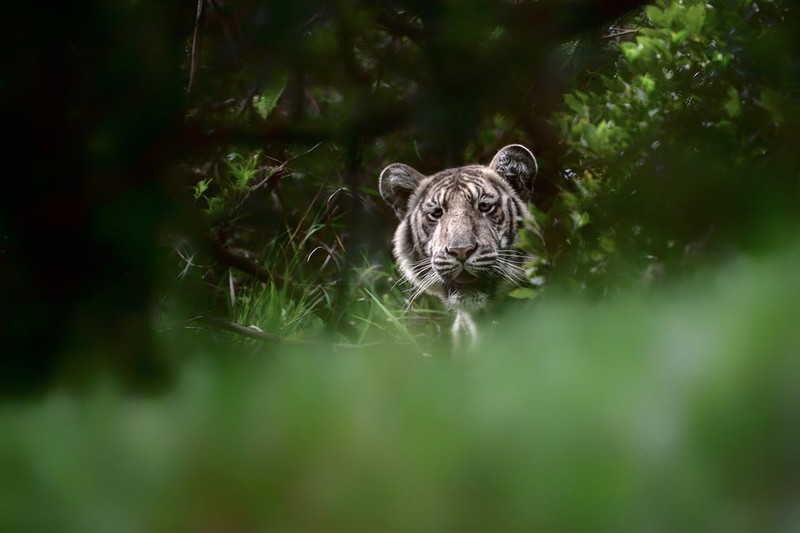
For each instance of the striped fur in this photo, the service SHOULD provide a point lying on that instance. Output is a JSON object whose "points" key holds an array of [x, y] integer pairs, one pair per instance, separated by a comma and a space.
{"points": [[458, 228]]}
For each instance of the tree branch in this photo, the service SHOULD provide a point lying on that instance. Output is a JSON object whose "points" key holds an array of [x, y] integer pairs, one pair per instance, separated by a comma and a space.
{"points": [[254, 333], [239, 262]]}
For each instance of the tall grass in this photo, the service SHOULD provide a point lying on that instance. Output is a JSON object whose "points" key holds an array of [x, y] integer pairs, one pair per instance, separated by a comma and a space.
{"points": [[315, 293]]}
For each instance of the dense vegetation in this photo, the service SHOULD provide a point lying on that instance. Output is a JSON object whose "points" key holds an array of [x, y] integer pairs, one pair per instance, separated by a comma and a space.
{"points": [[670, 146], [205, 329]]}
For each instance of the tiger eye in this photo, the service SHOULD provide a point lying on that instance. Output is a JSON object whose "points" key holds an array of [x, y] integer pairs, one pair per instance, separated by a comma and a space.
{"points": [[436, 213], [485, 206]]}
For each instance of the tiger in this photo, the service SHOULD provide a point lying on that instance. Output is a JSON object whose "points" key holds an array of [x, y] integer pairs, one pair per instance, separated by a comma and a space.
{"points": [[458, 229]]}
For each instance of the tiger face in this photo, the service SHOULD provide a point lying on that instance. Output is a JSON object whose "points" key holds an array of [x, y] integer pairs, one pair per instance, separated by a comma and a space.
{"points": [[458, 227]]}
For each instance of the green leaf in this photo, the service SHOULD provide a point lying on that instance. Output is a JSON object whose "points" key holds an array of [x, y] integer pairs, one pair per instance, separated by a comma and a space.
{"points": [[659, 17], [579, 220], [201, 187], [268, 99], [695, 18], [575, 104], [647, 83], [732, 104], [524, 293], [631, 51], [679, 37]]}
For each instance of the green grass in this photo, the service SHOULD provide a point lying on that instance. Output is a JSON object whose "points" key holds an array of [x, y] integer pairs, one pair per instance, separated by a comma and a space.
{"points": [[315, 292], [296, 308], [678, 410]]}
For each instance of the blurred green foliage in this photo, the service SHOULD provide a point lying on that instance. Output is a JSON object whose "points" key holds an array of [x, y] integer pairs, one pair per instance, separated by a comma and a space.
{"points": [[675, 411]]}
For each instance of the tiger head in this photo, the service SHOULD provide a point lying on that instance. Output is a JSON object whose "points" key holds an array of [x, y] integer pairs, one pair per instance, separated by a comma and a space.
{"points": [[458, 227]]}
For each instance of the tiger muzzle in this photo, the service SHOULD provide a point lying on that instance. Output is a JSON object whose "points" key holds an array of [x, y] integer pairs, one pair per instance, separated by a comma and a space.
{"points": [[461, 252]]}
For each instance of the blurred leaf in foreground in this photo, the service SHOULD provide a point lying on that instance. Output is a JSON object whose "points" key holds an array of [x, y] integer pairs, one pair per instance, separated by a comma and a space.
{"points": [[675, 411]]}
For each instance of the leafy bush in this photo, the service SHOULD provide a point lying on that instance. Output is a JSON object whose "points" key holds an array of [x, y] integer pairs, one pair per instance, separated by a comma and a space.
{"points": [[679, 142]]}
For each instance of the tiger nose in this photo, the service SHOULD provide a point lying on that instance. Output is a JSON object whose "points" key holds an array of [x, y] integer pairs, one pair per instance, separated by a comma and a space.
{"points": [[462, 252]]}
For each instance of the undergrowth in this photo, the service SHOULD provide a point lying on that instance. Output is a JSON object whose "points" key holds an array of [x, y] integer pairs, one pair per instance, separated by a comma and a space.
{"points": [[308, 288]]}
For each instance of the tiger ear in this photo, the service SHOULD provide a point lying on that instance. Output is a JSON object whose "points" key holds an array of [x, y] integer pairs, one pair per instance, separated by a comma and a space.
{"points": [[397, 183], [517, 165]]}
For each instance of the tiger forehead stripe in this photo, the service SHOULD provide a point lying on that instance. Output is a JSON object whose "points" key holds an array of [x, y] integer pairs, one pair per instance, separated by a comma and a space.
{"points": [[445, 195], [463, 183]]}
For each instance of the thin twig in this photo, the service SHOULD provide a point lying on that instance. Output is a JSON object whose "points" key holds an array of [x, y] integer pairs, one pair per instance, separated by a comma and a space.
{"points": [[247, 331], [195, 48], [255, 333], [282, 169], [620, 33]]}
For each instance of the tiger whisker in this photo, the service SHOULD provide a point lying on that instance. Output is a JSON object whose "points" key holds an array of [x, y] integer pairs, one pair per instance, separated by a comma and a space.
{"points": [[402, 279], [410, 302], [424, 285], [513, 258], [420, 268], [511, 266], [513, 273]]}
